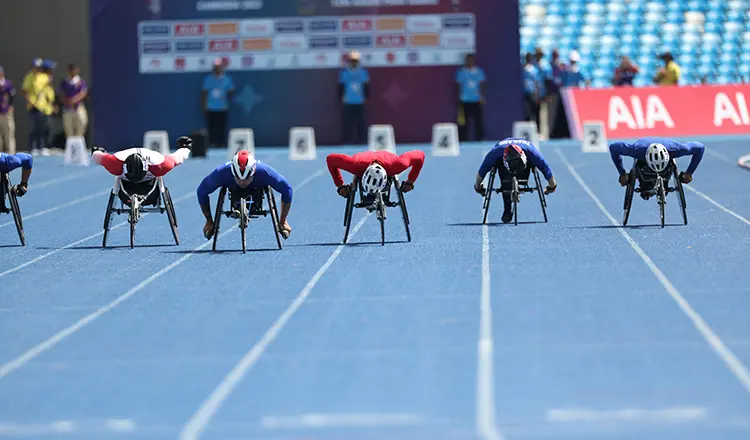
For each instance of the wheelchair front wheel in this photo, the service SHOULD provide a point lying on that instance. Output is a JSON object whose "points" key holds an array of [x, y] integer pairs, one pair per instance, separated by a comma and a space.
{"points": [[133, 220], [243, 223], [661, 198], [515, 195]]}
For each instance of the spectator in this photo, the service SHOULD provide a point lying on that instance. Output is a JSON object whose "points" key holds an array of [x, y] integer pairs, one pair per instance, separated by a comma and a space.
{"points": [[530, 89], [354, 89], [571, 74], [470, 80], [41, 101], [625, 73], [74, 91], [669, 75], [544, 70], [7, 123], [218, 89], [555, 105]]}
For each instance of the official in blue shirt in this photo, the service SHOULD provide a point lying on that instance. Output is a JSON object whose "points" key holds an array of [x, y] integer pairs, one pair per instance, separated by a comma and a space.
{"points": [[244, 176], [354, 89], [655, 155], [571, 75], [218, 89], [531, 89], [8, 163], [470, 81], [513, 157]]}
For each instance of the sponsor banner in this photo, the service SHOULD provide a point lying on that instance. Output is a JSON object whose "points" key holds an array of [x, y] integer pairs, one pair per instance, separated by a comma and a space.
{"points": [[390, 24], [385, 3], [192, 46], [458, 40], [424, 40], [323, 42], [353, 41], [390, 40], [630, 112], [189, 29], [286, 43], [155, 29], [424, 23], [323, 25], [458, 21], [156, 64], [222, 28], [223, 45], [156, 46], [256, 44], [388, 58], [256, 28], [284, 26], [356, 25]]}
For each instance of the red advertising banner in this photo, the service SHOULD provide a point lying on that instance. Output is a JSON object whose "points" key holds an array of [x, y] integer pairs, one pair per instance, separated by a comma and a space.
{"points": [[629, 112]]}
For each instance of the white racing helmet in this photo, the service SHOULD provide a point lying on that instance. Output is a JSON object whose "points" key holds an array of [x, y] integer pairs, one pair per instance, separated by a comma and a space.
{"points": [[657, 157], [374, 179]]}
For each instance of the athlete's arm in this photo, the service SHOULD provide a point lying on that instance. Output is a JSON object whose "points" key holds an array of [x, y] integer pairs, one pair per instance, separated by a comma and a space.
{"points": [[170, 161], [23, 160], [282, 186], [337, 162], [415, 160], [209, 184], [537, 160], [108, 161], [696, 149], [616, 151]]}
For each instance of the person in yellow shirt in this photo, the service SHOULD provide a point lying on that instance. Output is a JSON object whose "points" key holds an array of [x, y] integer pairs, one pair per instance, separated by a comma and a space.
{"points": [[40, 96], [669, 75]]}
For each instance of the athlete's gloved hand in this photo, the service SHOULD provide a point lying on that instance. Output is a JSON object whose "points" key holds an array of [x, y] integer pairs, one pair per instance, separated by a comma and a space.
{"points": [[344, 191], [624, 179], [407, 186], [98, 148], [20, 189], [550, 189], [686, 177], [184, 142], [208, 229], [480, 189], [285, 230]]}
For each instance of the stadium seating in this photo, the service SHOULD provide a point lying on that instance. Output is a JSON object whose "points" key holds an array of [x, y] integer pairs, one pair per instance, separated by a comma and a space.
{"points": [[709, 38]]}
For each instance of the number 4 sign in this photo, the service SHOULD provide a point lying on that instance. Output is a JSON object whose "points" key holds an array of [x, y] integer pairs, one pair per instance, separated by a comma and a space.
{"points": [[594, 137]]}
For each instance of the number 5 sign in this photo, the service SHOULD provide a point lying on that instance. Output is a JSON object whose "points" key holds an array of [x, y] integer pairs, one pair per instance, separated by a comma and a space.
{"points": [[594, 137]]}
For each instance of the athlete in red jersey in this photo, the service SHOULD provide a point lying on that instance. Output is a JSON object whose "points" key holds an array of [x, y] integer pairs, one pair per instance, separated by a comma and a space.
{"points": [[392, 163]]}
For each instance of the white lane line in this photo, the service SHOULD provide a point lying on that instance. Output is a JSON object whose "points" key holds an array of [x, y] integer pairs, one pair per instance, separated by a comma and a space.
{"points": [[40, 348], [59, 207], [733, 363], [210, 406], [75, 243], [333, 420], [670, 414], [718, 205], [718, 155], [57, 427], [486, 423]]}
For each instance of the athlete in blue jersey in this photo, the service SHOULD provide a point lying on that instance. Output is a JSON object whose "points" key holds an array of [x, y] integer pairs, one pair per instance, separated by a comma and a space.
{"points": [[654, 155], [8, 163], [514, 157], [244, 176]]}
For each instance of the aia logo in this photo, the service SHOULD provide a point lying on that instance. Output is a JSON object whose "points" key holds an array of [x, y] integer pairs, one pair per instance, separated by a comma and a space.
{"points": [[390, 57], [155, 62], [179, 63]]}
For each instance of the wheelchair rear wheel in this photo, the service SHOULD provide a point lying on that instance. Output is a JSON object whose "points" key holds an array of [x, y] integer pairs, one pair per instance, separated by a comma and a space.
{"points": [[171, 216], [217, 217], [681, 195], [629, 192], [488, 196], [274, 215], [404, 212], [349, 210], [108, 217], [539, 191], [16, 210]]}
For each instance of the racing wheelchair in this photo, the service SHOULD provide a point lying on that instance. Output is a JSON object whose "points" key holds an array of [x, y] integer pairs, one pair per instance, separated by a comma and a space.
{"points": [[156, 200], [246, 211], [10, 205], [656, 184], [518, 185], [382, 201]]}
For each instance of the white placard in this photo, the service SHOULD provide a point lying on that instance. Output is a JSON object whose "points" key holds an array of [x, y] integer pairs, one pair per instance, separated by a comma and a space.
{"points": [[381, 138], [240, 139], [594, 137], [302, 143], [75, 151], [445, 140], [527, 130], [156, 141]]}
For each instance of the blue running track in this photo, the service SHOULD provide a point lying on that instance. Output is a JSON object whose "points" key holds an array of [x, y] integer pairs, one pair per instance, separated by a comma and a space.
{"points": [[574, 329]]}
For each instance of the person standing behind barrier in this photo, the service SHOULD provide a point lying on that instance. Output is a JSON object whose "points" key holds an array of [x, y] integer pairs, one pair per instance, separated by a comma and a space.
{"points": [[625, 73], [7, 123], [218, 89], [471, 91], [41, 101], [354, 89], [530, 90], [74, 91]]}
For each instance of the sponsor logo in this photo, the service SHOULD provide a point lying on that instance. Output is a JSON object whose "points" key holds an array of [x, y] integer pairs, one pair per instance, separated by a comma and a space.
{"points": [[413, 57], [248, 61], [202, 62], [256, 27], [390, 41], [272, 62], [358, 41], [323, 25], [321, 58], [286, 43], [461, 21], [294, 61], [227, 28], [356, 25], [458, 40], [289, 26], [424, 40], [321, 42], [256, 44], [155, 30], [390, 57], [390, 24], [188, 29], [155, 46], [226, 61], [423, 23], [223, 46], [190, 46], [179, 63], [155, 63]]}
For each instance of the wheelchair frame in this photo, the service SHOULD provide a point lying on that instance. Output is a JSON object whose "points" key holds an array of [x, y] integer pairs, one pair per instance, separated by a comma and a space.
{"points": [[518, 187], [8, 194], [661, 189], [380, 206], [244, 215], [135, 208]]}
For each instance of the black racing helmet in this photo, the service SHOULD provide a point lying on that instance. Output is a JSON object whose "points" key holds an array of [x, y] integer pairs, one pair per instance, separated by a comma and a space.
{"points": [[514, 159], [136, 167]]}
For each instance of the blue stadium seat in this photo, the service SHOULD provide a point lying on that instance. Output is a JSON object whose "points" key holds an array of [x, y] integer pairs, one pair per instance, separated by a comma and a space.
{"points": [[675, 17]]}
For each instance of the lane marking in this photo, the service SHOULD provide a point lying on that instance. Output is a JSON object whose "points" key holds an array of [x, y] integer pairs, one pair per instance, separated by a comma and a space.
{"points": [[718, 205], [671, 414], [59, 207], [57, 427], [486, 423], [333, 420], [198, 422], [55, 339], [732, 362], [717, 155]]}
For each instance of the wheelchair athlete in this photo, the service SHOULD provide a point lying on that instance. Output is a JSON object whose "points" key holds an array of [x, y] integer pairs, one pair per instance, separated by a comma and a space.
{"points": [[377, 165], [245, 177], [654, 156], [8, 163], [138, 167], [513, 157]]}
